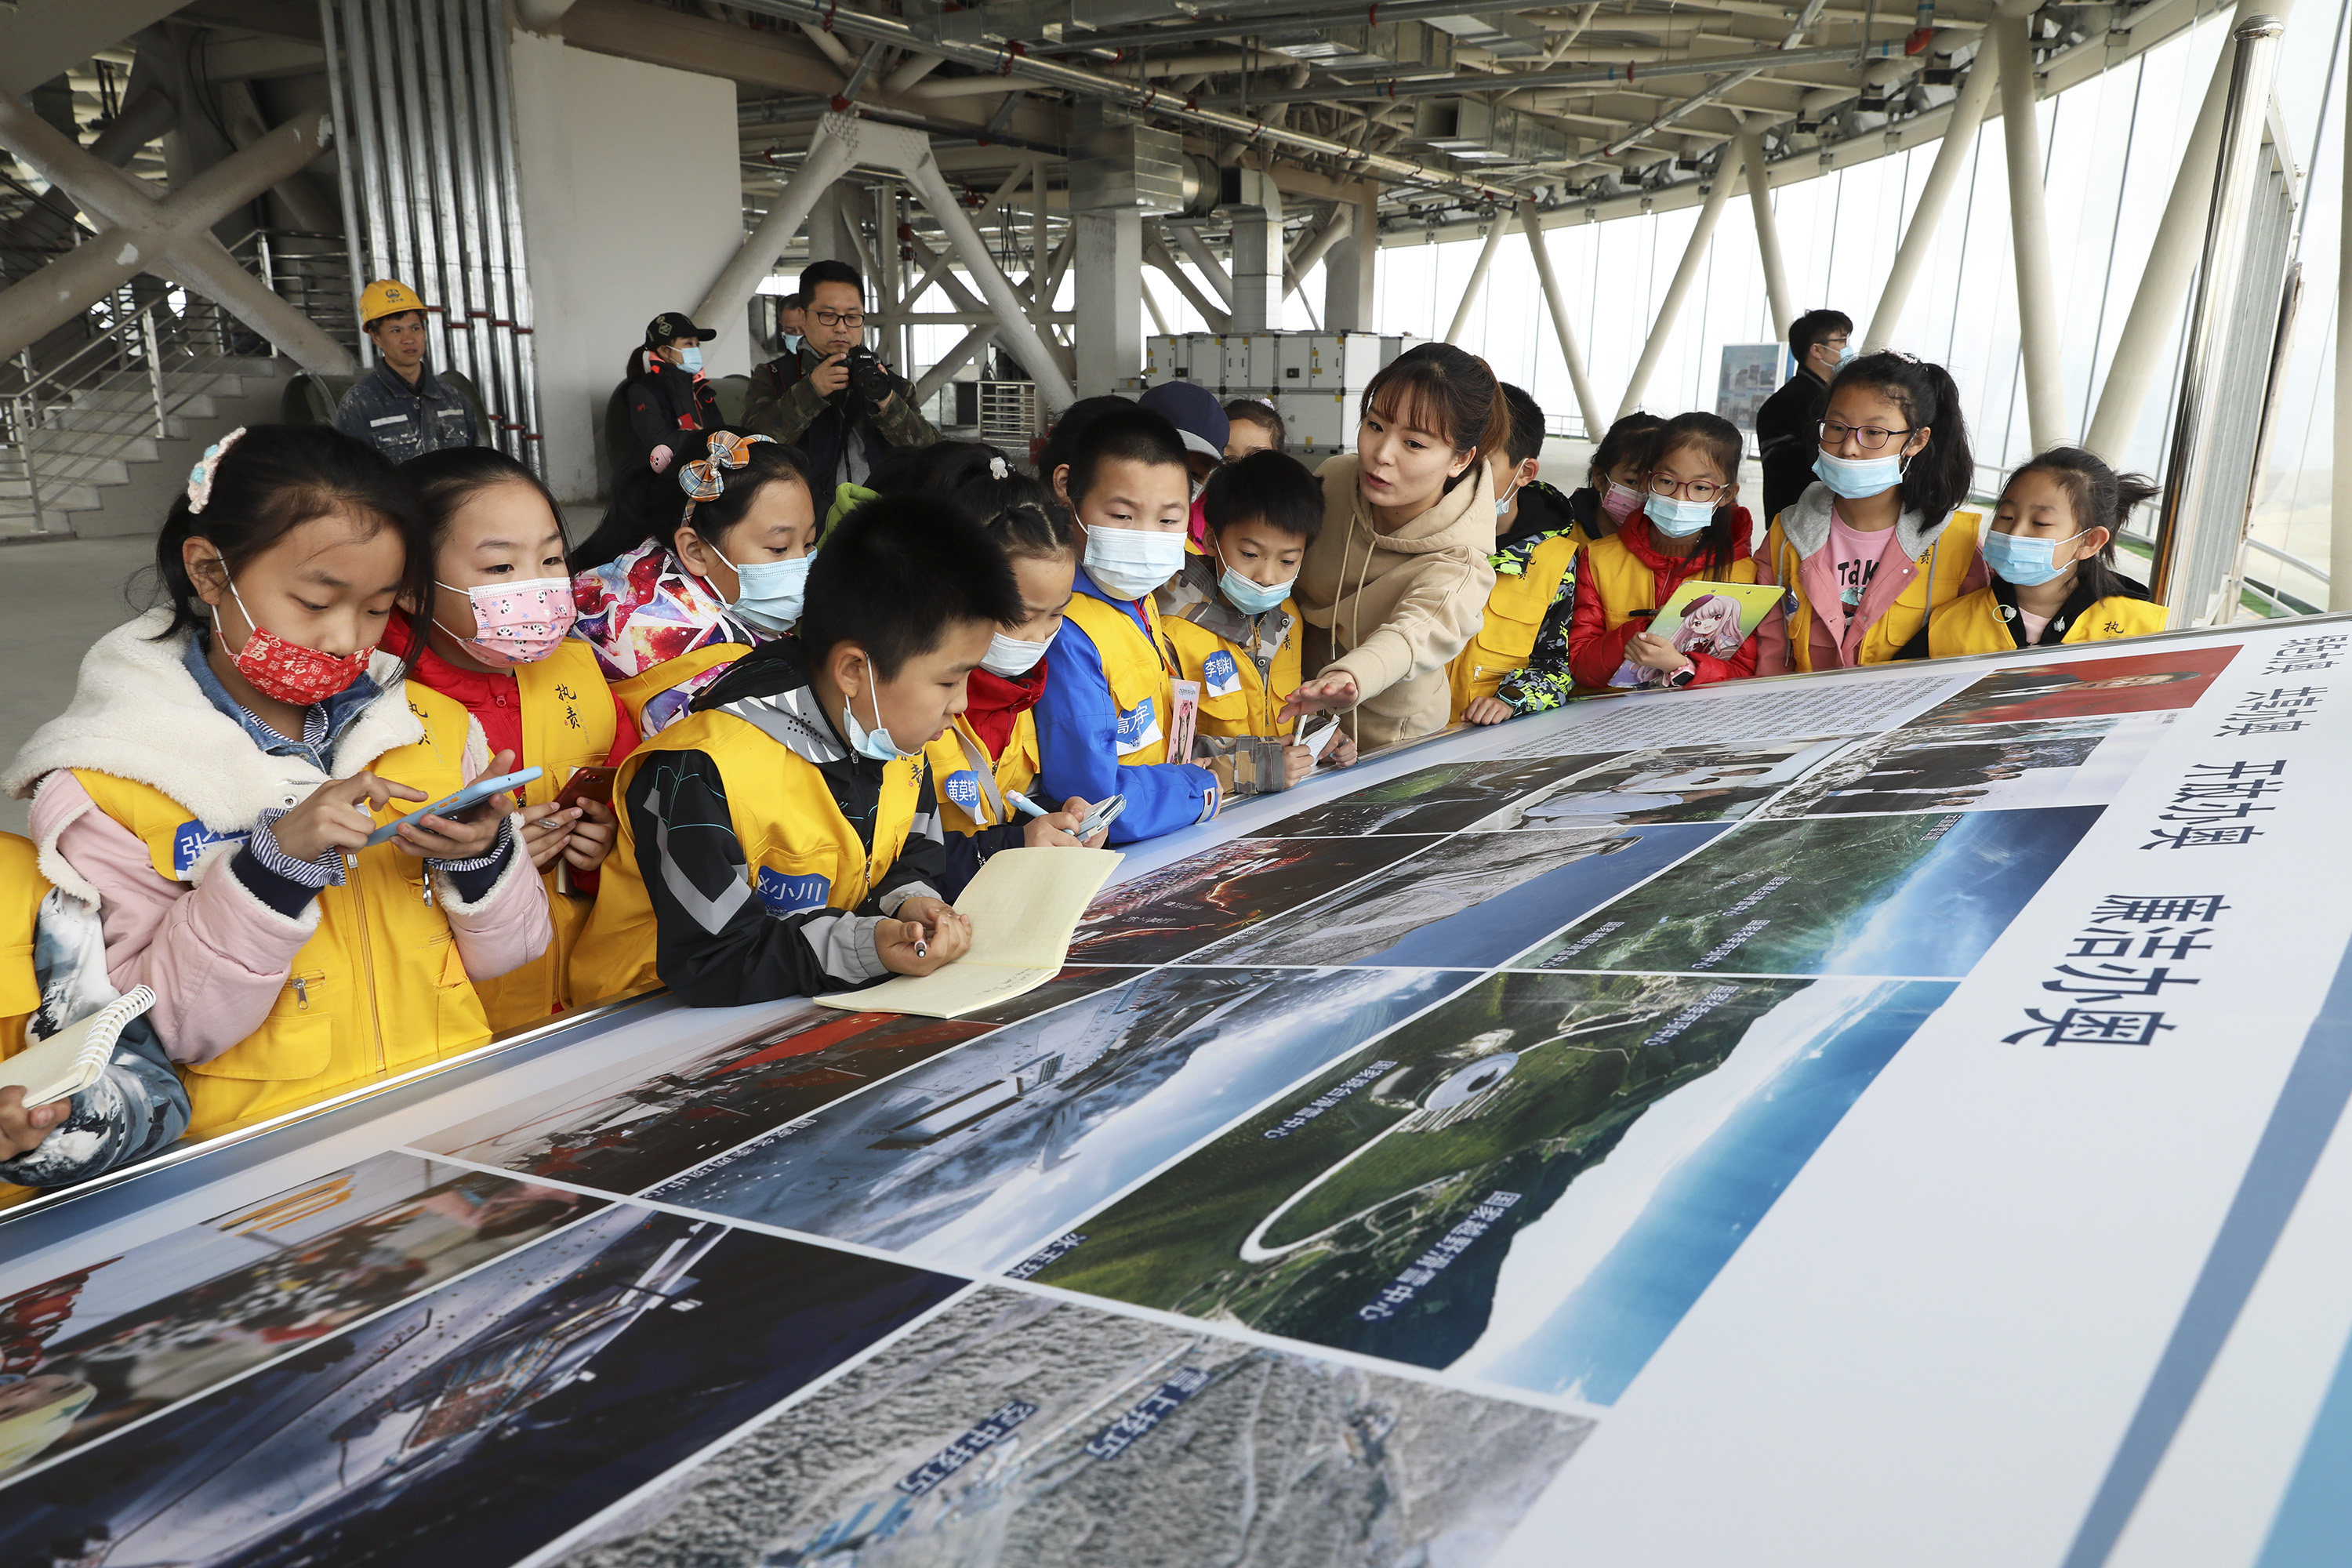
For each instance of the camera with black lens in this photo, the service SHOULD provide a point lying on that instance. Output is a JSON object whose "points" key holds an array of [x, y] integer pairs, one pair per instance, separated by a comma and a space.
{"points": [[868, 379]]}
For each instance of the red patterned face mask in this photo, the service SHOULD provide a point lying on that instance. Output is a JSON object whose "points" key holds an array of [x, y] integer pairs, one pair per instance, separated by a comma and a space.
{"points": [[287, 670]]}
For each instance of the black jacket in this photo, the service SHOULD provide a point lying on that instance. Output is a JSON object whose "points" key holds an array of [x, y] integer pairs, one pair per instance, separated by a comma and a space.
{"points": [[1543, 510], [685, 837], [664, 401], [1786, 436]]}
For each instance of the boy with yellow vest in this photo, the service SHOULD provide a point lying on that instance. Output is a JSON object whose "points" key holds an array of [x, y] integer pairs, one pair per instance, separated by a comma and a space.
{"points": [[497, 648], [1102, 723], [1231, 624], [2052, 552], [781, 839], [1538, 532], [1872, 553]]}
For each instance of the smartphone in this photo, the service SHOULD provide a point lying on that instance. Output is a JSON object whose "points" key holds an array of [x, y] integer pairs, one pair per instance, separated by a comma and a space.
{"points": [[473, 793], [587, 784], [1318, 740], [1101, 817]]}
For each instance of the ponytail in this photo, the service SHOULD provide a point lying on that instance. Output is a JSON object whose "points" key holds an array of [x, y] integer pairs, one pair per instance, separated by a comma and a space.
{"points": [[1935, 479]]}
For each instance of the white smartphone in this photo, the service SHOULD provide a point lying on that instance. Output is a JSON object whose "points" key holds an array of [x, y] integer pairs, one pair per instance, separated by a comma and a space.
{"points": [[1101, 817], [1319, 740], [473, 793]]}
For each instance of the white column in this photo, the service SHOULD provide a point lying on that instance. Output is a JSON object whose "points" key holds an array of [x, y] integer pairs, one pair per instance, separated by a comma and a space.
{"points": [[829, 154], [1587, 405], [2339, 537], [1478, 270], [1350, 272], [2029, 232], [1187, 239], [1012, 327], [1670, 306], [2145, 337], [1768, 231], [1109, 299], [1943, 178]]}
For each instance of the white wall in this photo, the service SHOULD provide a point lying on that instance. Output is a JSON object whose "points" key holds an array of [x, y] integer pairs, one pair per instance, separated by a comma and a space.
{"points": [[631, 204]]}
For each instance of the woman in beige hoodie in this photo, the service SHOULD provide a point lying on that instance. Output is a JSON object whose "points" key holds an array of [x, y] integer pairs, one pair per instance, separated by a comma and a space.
{"points": [[1396, 584]]}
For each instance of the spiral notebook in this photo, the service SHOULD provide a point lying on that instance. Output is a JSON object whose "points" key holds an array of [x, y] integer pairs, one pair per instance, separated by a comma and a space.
{"points": [[73, 1058]]}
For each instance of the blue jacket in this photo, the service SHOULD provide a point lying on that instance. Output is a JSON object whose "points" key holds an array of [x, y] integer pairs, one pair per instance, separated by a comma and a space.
{"points": [[1077, 739], [403, 421]]}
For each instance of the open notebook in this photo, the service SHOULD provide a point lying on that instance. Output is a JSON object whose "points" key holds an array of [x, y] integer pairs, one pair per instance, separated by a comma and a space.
{"points": [[72, 1059], [1024, 907]]}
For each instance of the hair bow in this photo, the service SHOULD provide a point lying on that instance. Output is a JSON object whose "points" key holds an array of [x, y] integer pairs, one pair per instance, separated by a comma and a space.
{"points": [[705, 478], [200, 478]]}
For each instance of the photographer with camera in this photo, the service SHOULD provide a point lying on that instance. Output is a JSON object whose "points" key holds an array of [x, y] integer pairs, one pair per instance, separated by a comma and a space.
{"points": [[834, 399]]}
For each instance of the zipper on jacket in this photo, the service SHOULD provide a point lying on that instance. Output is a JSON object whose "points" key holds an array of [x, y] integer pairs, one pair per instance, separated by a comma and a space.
{"points": [[367, 961]]}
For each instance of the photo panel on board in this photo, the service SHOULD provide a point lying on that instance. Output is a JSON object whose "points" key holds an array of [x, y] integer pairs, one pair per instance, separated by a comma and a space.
{"points": [[1181, 908], [1529, 1185]]}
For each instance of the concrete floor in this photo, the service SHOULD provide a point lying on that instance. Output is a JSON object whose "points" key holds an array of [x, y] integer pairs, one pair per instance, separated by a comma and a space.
{"points": [[55, 599]]}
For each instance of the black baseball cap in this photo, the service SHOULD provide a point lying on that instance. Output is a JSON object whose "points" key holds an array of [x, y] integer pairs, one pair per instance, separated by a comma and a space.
{"points": [[672, 325]]}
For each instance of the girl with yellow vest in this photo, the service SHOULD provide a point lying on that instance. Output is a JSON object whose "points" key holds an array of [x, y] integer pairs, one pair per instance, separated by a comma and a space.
{"points": [[673, 584], [1102, 722], [987, 757], [498, 648], [212, 787], [1232, 627], [2052, 552], [1872, 553], [781, 839], [1538, 532]]}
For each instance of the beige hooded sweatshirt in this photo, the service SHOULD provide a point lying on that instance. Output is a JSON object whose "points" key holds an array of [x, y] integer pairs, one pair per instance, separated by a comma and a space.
{"points": [[1391, 609]]}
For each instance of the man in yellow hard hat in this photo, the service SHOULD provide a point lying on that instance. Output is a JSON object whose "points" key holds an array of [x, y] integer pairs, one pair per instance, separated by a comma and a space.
{"points": [[400, 407]]}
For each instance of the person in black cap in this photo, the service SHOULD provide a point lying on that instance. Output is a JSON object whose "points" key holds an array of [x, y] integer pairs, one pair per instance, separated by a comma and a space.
{"points": [[668, 394], [831, 398]]}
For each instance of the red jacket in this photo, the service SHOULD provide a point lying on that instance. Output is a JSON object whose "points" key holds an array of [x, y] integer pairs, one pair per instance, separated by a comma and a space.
{"points": [[1595, 649]]}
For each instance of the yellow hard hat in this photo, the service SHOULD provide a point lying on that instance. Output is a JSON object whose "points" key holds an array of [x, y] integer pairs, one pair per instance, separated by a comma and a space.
{"points": [[387, 296]]}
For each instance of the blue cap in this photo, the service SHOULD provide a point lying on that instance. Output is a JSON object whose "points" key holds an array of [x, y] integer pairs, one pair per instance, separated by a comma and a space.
{"points": [[1195, 412]]}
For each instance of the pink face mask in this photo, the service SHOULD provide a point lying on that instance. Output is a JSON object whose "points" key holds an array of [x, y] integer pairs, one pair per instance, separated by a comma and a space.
{"points": [[1620, 500], [517, 623]]}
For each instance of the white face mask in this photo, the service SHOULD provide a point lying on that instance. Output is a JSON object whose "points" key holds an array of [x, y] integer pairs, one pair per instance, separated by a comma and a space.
{"points": [[1011, 657], [1132, 561]]}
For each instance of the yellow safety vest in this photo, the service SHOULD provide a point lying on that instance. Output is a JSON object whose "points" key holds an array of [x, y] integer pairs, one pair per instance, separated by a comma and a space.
{"points": [[798, 852], [1138, 669], [567, 724], [378, 989], [1514, 615], [962, 772], [647, 684], [1235, 698], [1941, 571], [22, 888], [1974, 624]]}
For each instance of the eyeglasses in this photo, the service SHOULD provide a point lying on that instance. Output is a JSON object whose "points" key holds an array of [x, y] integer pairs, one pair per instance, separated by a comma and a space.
{"points": [[855, 320], [1699, 491], [1869, 437]]}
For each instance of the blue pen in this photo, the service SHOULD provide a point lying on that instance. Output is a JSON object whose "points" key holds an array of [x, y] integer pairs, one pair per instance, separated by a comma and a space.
{"points": [[1025, 804]]}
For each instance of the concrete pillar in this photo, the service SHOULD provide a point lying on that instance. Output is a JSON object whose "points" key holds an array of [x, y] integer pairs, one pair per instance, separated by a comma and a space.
{"points": [[2029, 232], [1702, 235], [2339, 536], [830, 215], [1496, 230], [1587, 405], [1943, 178], [1768, 231], [1109, 299], [1351, 298], [819, 174]]}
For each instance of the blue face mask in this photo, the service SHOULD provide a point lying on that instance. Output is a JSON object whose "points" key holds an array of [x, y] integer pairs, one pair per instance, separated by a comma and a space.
{"points": [[1677, 518], [1851, 478], [689, 359], [876, 745], [769, 593], [1251, 598], [1131, 562], [2026, 562], [791, 343]]}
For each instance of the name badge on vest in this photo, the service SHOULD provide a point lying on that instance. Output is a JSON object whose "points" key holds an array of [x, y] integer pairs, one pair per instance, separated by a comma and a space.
{"points": [[1138, 727], [189, 842], [962, 788], [784, 894], [1220, 675]]}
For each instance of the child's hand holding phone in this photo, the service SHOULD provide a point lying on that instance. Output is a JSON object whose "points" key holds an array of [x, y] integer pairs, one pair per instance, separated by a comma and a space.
{"points": [[466, 833], [338, 815]]}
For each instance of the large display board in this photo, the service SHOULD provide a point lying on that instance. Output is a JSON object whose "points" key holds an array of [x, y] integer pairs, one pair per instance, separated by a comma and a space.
{"points": [[1890, 1117]]}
